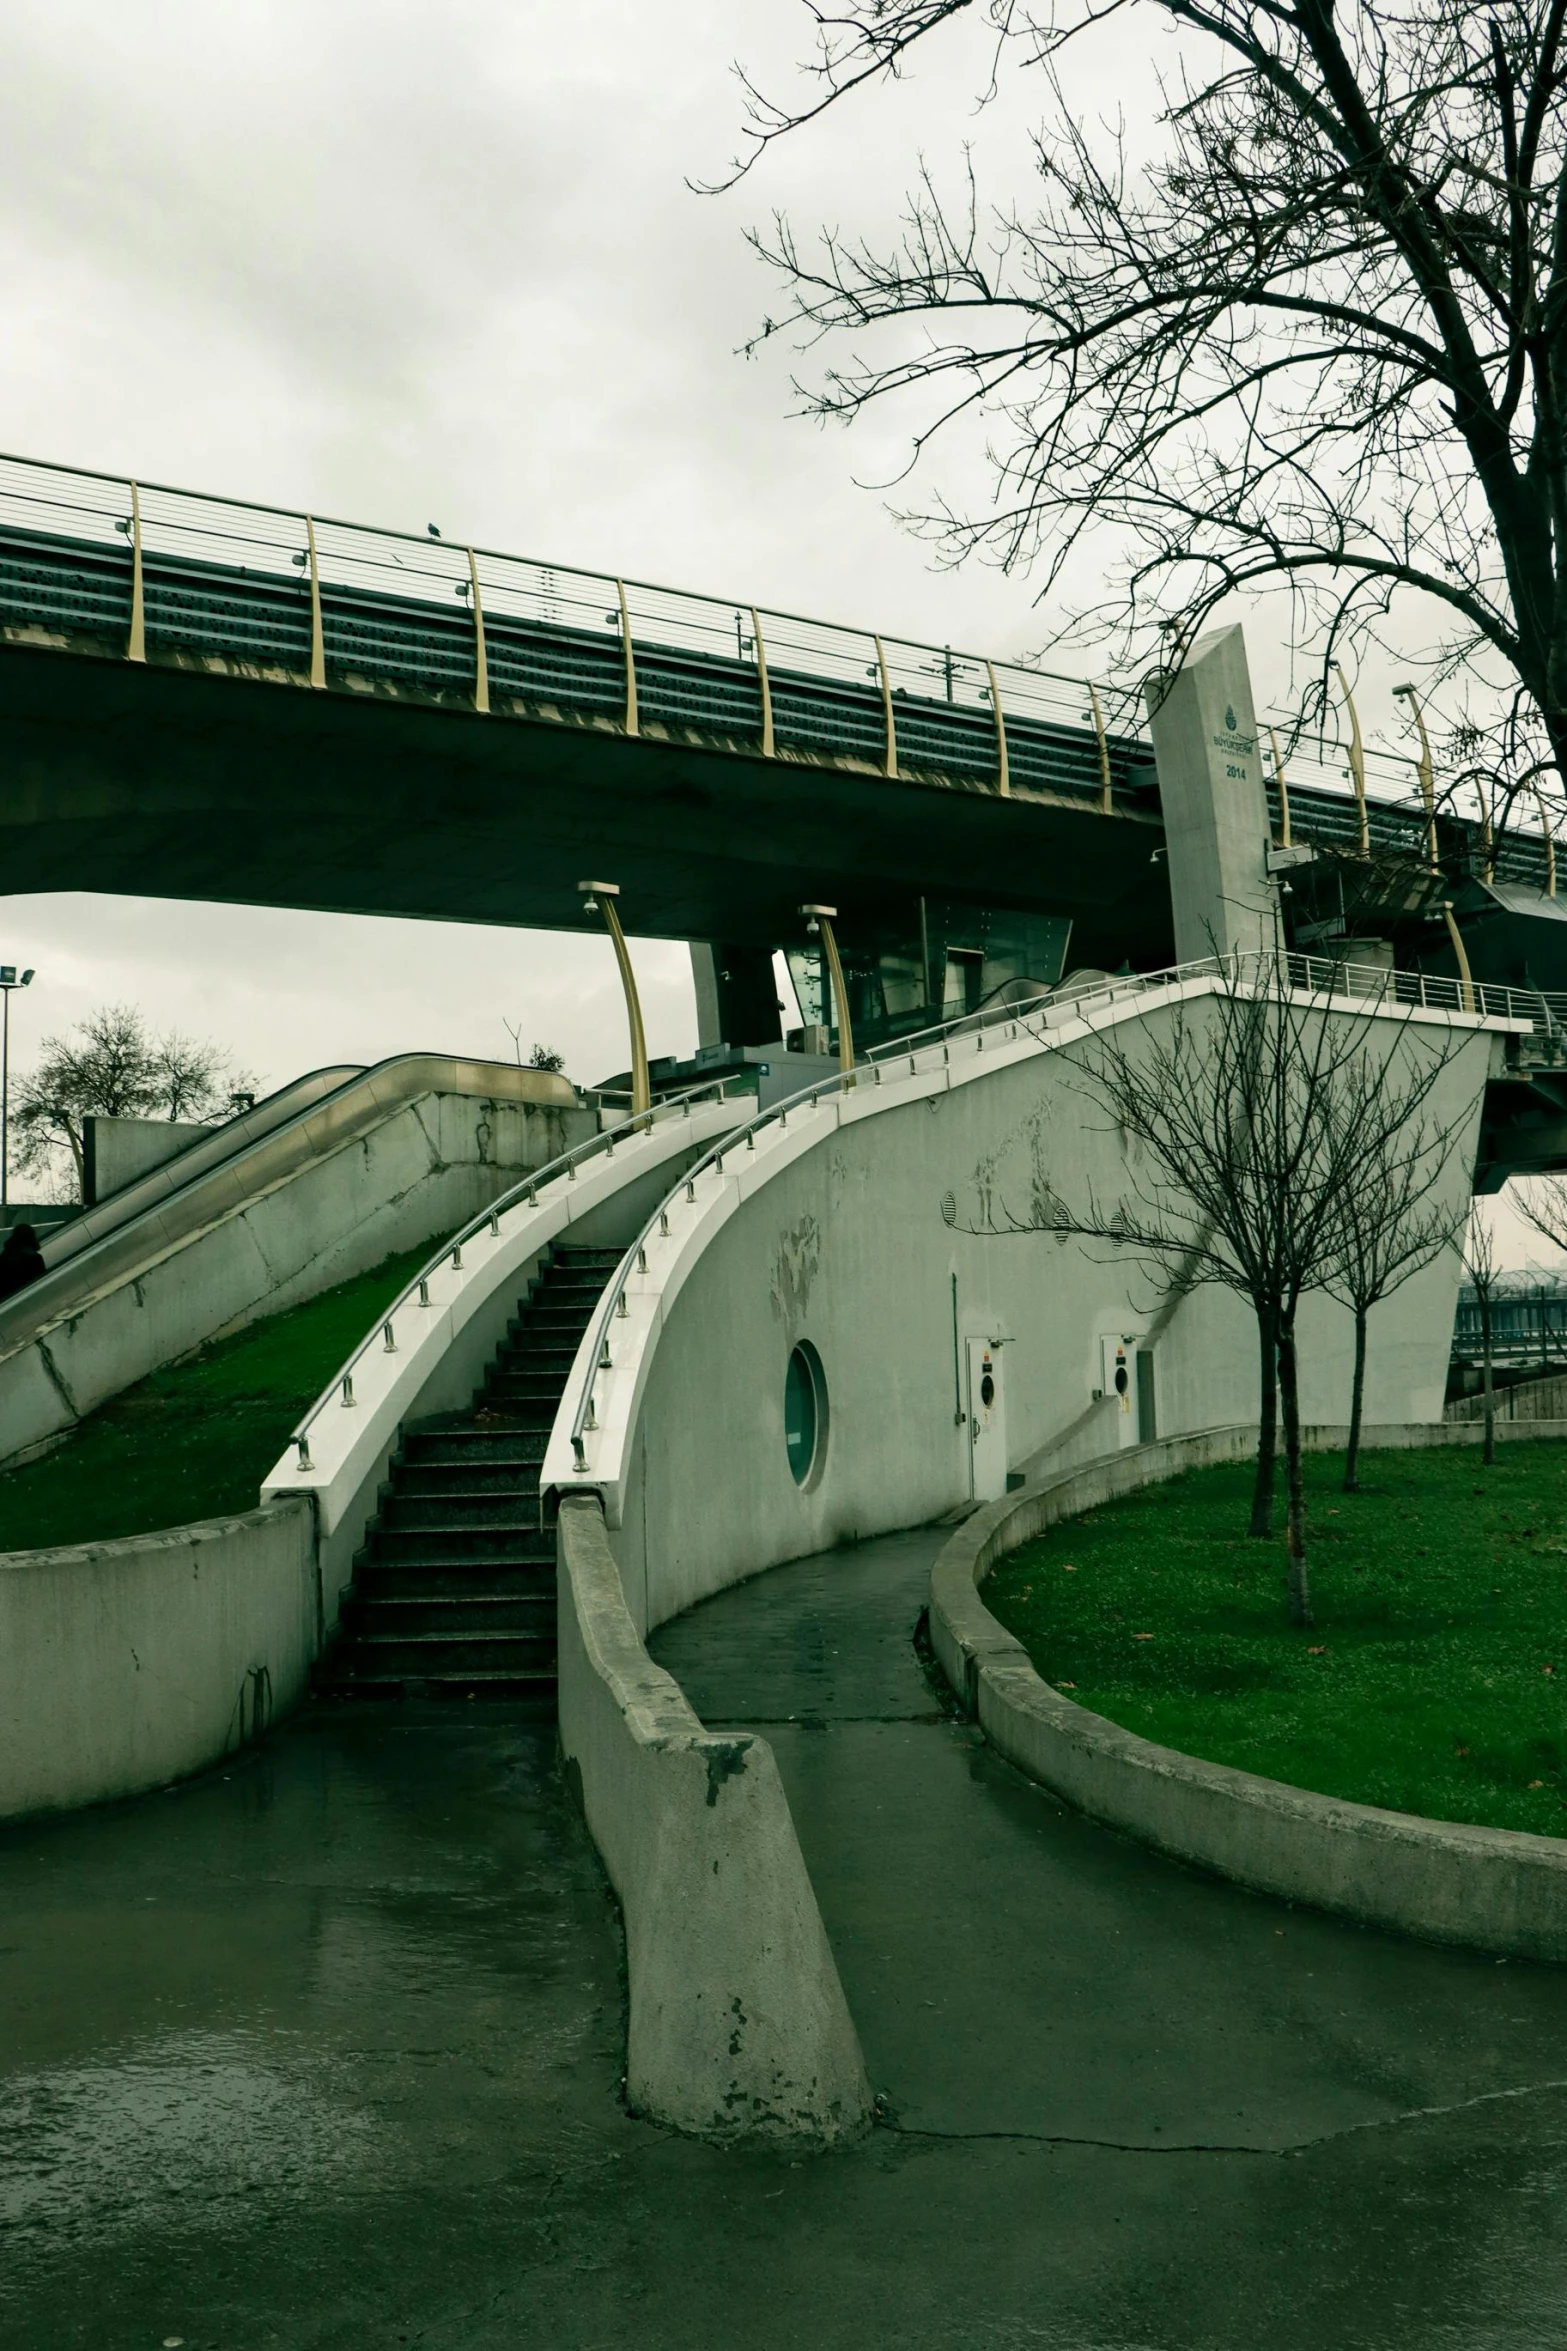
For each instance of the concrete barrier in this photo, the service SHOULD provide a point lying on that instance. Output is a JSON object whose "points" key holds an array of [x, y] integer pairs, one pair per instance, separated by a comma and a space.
{"points": [[738, 2024], [412, 1147], [124, 1665], [1488, 1889]]}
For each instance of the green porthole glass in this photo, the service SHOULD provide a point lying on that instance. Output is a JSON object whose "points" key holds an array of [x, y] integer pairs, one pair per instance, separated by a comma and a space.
{"points": [[805, 1412]]}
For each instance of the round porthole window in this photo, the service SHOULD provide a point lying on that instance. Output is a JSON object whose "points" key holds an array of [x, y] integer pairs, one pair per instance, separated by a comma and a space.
{"points": [[805, 1413]]}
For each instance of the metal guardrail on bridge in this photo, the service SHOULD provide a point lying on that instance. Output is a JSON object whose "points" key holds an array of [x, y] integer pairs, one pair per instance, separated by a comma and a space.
{"points": [[140, 571]]}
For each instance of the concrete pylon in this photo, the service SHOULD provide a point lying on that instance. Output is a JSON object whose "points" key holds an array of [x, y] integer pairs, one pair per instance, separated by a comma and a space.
{"points": [[1216, 826]]}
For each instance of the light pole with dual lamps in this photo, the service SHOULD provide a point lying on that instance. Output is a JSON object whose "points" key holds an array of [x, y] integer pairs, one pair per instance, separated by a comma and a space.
{"points": [[10, 978]]}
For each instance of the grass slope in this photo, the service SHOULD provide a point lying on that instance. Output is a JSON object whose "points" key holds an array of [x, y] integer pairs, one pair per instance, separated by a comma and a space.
{"points": [[195, 1441], [1432, 1682]]}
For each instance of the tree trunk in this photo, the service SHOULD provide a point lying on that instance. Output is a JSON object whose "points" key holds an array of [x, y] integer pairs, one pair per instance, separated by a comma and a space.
{"points": [[1357, 1398], [1289, 1396], [1267, 1426], [1488, 1450]]}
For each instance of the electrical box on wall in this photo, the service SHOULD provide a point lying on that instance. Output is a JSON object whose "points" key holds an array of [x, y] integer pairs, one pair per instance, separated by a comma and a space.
{"points": [[987, 1420], [1126, 1380]]}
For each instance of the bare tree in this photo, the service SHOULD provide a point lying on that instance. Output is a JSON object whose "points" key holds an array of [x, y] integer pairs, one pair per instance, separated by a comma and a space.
{"points": [[113, 1066], [542, 1057], [1481, 1267], [1310, 328], [1544, 1205], [1388, 1227], [1241, 1148]]}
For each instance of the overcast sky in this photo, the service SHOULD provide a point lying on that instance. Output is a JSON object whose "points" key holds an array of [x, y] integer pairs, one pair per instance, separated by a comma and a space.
{"points": [[408, 264]]}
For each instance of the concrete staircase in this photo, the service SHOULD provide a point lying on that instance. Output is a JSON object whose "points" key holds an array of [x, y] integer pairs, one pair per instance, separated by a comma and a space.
{"points": [[454, 1592]]}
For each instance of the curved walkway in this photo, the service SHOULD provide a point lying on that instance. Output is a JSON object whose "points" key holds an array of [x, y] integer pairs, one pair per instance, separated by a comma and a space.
{"points": [[323, 2049]]}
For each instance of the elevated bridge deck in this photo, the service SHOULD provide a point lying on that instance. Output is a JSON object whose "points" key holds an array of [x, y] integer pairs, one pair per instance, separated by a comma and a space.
{"points": [[216, 700]]}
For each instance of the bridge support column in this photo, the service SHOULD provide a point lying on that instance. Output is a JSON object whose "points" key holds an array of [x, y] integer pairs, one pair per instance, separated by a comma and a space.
{"points": [[736, 995], [1215, 805]]}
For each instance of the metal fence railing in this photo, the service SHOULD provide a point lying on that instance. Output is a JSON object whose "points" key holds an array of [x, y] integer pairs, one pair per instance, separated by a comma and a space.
{"points": [[140, 570]]}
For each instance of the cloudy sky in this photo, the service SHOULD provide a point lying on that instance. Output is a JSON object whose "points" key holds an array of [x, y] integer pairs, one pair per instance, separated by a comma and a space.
{"points": [[408, 264]]}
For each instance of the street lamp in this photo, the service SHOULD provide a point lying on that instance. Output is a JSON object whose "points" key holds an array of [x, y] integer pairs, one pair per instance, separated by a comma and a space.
{"points": [[600, 899], [10, 978], [819, 920]]}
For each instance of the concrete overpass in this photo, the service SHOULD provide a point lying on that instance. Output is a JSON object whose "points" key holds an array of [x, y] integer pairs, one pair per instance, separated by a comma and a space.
{"points": [[206, 699]]}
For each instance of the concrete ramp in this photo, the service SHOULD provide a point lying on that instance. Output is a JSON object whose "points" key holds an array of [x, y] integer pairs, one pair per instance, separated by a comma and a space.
{"points": [[314, 1185]]}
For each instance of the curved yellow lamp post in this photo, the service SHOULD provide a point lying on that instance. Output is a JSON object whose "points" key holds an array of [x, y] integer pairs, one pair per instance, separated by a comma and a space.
{"points": [[820, 918], [601, 898], [1425, 771]]}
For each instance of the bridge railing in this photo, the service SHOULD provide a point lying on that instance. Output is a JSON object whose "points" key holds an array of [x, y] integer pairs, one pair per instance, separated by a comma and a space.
{"points": [[156, 572]]}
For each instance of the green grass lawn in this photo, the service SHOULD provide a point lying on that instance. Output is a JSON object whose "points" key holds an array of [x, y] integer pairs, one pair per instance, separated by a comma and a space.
{"points": [[195, 1441], [1434, 1679]]}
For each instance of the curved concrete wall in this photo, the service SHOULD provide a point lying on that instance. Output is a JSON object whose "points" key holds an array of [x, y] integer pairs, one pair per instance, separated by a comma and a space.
{"points": [[833, 1231], [416, 1147], [738, 2025], [124, 1665], [1489, 1889]]}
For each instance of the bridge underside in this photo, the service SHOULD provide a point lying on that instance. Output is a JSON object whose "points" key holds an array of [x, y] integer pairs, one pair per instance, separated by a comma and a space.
{"points": [[167, 782]]}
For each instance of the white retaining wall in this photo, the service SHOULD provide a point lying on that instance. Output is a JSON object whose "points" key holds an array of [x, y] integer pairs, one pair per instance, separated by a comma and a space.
{"points": [[833, 1231], [421, 1166], [738, 2024], [123, 1665]]}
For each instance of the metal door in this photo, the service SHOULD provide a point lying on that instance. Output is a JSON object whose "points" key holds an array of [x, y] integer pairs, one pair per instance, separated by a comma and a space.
{"points": [[987, 1421], [1122, 1387]]}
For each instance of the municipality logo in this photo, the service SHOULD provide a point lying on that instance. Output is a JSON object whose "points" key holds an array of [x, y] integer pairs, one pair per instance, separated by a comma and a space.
{"points": [[1230, 720]]}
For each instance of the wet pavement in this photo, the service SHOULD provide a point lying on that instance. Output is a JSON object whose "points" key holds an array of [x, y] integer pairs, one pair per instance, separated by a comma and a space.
{"points": [[324, 2049]]}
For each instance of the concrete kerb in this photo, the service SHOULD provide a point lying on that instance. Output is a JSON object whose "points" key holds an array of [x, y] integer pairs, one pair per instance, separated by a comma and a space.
{"points": [[738, 2023], [1498, 1890]]}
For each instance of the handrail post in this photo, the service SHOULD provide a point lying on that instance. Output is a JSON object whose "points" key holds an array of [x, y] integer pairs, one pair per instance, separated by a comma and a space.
{"points": [[1003, 775], [602, 895], [481, 664], [317, 633], [890, 764], [769, 750], [631, 659], [136, 643]]}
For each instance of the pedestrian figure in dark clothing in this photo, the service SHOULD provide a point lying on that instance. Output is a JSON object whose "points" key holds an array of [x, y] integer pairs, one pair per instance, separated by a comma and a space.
{"points": [[21, 1261]]}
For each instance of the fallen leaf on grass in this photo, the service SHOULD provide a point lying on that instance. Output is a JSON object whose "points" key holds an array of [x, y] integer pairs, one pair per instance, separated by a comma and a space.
{"points": [[1066, 1685], [1318, 1652], [1461, 1750], [1537, 1783], [1149, 1637], [1068, 1568], [1547, 1669]]}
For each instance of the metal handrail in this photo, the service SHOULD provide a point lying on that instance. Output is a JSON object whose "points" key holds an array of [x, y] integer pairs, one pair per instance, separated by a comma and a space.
{"points": [[341, 1384], [1531, 1004]]}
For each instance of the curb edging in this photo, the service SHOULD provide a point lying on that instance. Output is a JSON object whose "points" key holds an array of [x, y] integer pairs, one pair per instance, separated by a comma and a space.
{"points": [[1496, 1890]]}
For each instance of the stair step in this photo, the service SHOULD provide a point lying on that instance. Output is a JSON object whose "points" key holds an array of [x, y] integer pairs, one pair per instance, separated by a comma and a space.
{"points": [[454, 1590], [462, 1448], [525, 1579], [535, 1690], [460, 1546], [461, 1616], [442, 1480], [471, 1653]]}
